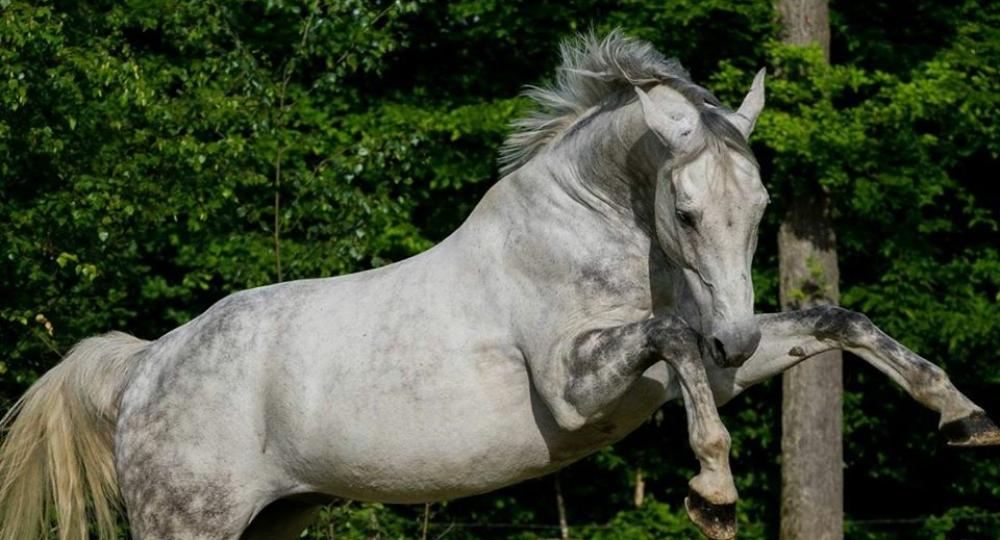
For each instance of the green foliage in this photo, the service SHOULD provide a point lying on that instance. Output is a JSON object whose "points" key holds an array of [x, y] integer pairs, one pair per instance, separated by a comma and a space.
{"points": [[152, 152], [653, 521], [350, 521]]}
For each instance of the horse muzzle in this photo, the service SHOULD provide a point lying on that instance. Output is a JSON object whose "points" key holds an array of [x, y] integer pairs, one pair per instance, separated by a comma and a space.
{"points": [[735, 344]]}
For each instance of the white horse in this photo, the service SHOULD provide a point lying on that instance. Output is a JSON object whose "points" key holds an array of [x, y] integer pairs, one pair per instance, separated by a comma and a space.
{"points": [[606, 273]]}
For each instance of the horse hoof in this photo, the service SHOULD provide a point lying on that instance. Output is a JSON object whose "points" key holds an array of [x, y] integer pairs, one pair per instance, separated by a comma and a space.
{"points": [[716, 521], [973, 430]]}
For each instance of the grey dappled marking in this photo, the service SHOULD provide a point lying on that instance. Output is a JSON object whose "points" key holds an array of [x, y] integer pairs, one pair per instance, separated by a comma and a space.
{"points": [[464, 369], [608, 272]]}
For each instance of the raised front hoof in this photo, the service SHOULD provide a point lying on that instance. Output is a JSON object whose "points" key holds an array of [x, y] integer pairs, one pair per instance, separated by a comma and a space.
{"points": [[974, 430], [716, 521]]}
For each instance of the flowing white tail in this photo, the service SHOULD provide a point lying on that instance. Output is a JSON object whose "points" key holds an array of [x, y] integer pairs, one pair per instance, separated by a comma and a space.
{"points": [[57, 458]]}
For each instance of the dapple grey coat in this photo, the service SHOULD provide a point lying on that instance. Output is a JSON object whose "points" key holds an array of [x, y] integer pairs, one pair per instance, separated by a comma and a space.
{"points": [[606, 273]]}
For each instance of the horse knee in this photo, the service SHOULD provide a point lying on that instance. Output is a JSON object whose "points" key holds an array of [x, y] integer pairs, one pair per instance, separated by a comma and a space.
{"points": [[672, 337], [846, 327]]}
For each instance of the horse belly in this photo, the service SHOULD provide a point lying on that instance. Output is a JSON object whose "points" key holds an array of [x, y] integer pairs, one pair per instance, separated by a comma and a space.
{"points": [[451, 433], [436, 432]]}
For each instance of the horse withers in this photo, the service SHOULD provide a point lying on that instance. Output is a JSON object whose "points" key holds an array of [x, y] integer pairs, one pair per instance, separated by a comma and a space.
{"points": [[606, 273]]}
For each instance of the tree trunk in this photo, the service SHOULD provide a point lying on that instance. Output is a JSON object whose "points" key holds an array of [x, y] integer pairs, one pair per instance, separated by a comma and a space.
{"points": [[805, 22], [812, 503], [812, 498]]}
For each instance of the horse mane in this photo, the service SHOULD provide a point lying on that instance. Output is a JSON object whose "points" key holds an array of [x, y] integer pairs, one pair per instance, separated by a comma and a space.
{"points": [[593, 70]]}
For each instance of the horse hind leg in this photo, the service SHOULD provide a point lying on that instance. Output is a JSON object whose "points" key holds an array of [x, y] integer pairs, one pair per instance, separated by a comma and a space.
{"points": [[197, 498], [174, 507], [214, 509], [180, 491]]}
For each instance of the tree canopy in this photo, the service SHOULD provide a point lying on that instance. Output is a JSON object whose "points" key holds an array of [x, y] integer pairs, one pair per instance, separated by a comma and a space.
{"points": [[157, 155]]}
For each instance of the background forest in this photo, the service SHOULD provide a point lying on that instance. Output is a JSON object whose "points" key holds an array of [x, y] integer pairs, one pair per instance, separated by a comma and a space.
{"points": [[156, 155]]}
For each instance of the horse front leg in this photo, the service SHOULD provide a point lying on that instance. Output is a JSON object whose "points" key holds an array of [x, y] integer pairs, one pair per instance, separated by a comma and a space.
{"points": [[791, 337], [606, 364]]}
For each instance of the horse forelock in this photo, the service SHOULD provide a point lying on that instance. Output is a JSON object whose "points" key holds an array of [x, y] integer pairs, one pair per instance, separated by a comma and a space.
{"points": [[593, 71]]}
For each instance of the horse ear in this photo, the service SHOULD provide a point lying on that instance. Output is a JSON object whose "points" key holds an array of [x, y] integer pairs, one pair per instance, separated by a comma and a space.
{"points": [[675, 128], [746, 117]]}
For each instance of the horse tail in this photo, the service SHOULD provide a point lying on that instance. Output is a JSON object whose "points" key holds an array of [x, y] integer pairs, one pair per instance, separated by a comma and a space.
{"points": [[58, 456]]}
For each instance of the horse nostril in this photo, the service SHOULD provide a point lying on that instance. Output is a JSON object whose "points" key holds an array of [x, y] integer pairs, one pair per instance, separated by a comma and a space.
{"points": [[720, 350], [732, 349]]}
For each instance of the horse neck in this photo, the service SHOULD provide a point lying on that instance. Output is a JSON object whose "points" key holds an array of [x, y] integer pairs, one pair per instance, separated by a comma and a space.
{"points": [[604, 163], [606, 173], [576, 201]]}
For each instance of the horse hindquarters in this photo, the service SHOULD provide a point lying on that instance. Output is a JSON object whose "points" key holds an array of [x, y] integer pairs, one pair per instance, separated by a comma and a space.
{"points": [[191, 453]]}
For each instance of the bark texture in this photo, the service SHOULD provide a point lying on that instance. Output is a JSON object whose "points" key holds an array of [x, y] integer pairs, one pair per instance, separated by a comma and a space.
{"points": [[812, 499], [805, 22]]}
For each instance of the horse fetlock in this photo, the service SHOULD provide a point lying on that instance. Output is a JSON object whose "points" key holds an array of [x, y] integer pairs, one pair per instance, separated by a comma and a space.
{"points": [[711, 442], [715, 484], [931, 386]]}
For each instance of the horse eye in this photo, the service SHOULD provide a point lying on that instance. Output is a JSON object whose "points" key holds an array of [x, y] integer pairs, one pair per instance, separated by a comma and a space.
{"points": [[686, 218]]}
